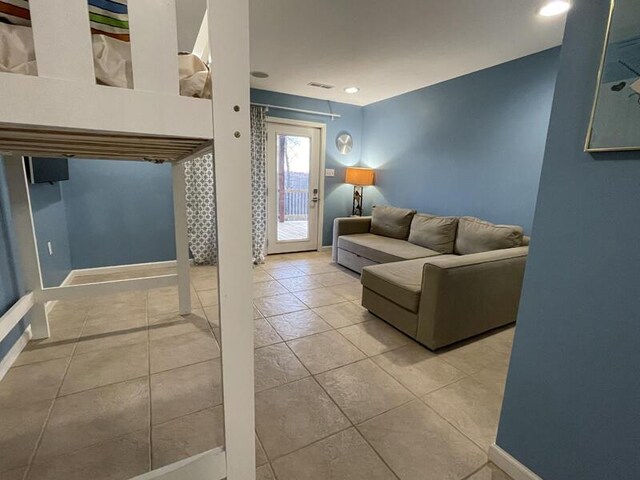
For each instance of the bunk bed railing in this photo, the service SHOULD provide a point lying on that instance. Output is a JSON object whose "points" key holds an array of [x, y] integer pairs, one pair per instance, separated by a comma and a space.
{"points": [[150, 121]]}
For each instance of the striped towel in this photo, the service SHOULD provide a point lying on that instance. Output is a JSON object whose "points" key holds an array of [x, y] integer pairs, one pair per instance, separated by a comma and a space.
{"points": [[107, 17]]}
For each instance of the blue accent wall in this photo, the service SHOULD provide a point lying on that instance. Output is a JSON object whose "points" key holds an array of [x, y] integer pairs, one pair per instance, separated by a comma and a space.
{"points": [[337, 195], [572, 398], [468, 146], [50, 220], [10, 282], [119, 213]]}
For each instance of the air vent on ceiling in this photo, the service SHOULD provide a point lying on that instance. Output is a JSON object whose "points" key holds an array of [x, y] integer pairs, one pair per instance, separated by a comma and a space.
{"points": [[320, 85]]}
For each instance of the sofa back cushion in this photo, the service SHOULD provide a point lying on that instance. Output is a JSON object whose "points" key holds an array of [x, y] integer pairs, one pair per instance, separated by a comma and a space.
{"points": [[391, 221], [434, 233], [475, 236]]}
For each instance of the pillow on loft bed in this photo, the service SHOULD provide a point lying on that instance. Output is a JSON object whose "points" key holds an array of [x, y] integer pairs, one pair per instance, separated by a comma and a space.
{"points": [[106, 17], [112, 61]]}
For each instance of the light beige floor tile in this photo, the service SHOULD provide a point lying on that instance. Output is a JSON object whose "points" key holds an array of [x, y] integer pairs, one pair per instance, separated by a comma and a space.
{"points": [[264, 473], [104, 367], [319, 297], [489, 472], [374, 337], [278, 304], [208, 298], [135, 313], [14, 474], [187, 436], [276, 365], [59, 345], [68, 315], [171, 324], [117, 459], [256, 313], [261, 457], [165, 300], [281, 272], [311, 267], [502, 341], [264, 334], [324, 351], [363, 390], [21, 427], [268, 289], [106, 335], [299, 284], [213, 315], [32, 383], [344, 314], [345, 455], [259, 275], [185, 390], [181, 350], [473, 356], [295, 415], [298, 324], [471, 407], [352, 291], [419, 445], [336, 278], [493, 377], [418, 369], [93, 416]]}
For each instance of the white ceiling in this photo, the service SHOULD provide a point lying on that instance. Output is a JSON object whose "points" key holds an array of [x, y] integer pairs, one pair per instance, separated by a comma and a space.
{"points": [[385, 47]]}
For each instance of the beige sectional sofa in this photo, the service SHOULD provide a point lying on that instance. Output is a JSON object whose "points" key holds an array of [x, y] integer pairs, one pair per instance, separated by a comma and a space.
{"points": [[437, 279]]}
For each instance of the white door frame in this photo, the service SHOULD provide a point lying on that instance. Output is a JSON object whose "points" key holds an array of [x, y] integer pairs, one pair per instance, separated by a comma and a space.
{"points": [[321, 174]]}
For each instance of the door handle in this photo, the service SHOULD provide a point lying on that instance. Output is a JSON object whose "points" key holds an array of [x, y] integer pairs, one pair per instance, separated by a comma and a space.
{"points": [[315, 198]]}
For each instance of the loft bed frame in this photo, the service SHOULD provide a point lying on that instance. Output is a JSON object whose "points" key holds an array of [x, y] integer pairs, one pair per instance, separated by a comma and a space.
{"points": [[62, 111]]}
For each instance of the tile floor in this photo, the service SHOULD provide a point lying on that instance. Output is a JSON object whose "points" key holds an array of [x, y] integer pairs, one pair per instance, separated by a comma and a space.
{"points": [[125, 385]]}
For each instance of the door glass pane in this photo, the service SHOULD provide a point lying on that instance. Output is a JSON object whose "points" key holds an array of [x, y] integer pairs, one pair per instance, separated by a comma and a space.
{"points": [[294, 158]]}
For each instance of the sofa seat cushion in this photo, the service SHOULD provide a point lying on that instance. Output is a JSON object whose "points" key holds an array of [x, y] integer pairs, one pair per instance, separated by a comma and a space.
{"points": [[382, 249], [399, 282]]}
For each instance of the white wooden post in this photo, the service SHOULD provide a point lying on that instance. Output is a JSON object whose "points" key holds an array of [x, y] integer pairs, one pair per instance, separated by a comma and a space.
{"points": [[62, 39], [154, 45], [182, 237], [25, 236], [229, 41]]}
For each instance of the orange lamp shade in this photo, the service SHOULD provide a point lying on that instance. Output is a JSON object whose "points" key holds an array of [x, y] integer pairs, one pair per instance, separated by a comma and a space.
{"points": [[360, 176]]}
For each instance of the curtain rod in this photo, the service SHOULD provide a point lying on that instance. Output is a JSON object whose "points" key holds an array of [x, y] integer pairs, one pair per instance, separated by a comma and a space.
{"points": [[298, 110]]}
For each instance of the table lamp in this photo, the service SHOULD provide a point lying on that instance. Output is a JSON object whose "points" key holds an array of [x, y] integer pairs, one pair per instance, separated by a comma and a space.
{"points": [[359, 178]]}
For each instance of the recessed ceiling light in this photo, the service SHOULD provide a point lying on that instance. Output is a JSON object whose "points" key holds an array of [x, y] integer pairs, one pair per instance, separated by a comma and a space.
{"points": [[259, 74], [352, 90], [556, 7]]}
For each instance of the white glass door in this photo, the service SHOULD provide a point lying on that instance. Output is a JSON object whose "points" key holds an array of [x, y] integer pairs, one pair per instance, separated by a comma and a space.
{"points": [[294, 192]]}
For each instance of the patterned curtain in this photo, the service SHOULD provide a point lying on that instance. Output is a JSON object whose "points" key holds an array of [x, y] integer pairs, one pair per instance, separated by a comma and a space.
{"points": [[201, 199], [259, 182], [201, 210]]}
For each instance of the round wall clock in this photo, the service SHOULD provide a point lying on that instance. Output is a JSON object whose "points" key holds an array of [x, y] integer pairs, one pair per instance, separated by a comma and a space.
{"points": [[344, 142]]}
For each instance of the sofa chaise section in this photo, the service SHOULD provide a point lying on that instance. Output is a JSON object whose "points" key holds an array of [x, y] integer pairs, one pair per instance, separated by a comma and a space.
{"points": [[444, 299]]}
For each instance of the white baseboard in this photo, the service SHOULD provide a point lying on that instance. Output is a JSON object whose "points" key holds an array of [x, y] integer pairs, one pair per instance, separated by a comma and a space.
{"points": [[510, 465], [12, 355]]}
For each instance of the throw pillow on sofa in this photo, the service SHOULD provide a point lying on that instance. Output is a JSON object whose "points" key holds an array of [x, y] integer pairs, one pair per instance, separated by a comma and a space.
{"points": [[391, 222], [475, 236], [435, 233]]}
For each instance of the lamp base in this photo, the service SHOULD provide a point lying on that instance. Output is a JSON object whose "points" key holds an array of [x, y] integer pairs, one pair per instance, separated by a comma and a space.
{"points": [[357, 201]]}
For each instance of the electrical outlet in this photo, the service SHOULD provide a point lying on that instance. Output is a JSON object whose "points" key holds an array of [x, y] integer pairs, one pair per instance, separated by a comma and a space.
{"points": [[50, 247], [330, 172]]}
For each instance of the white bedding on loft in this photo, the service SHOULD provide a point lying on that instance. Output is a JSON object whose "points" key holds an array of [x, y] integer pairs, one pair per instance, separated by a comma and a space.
{"points": [[112, 61]]}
